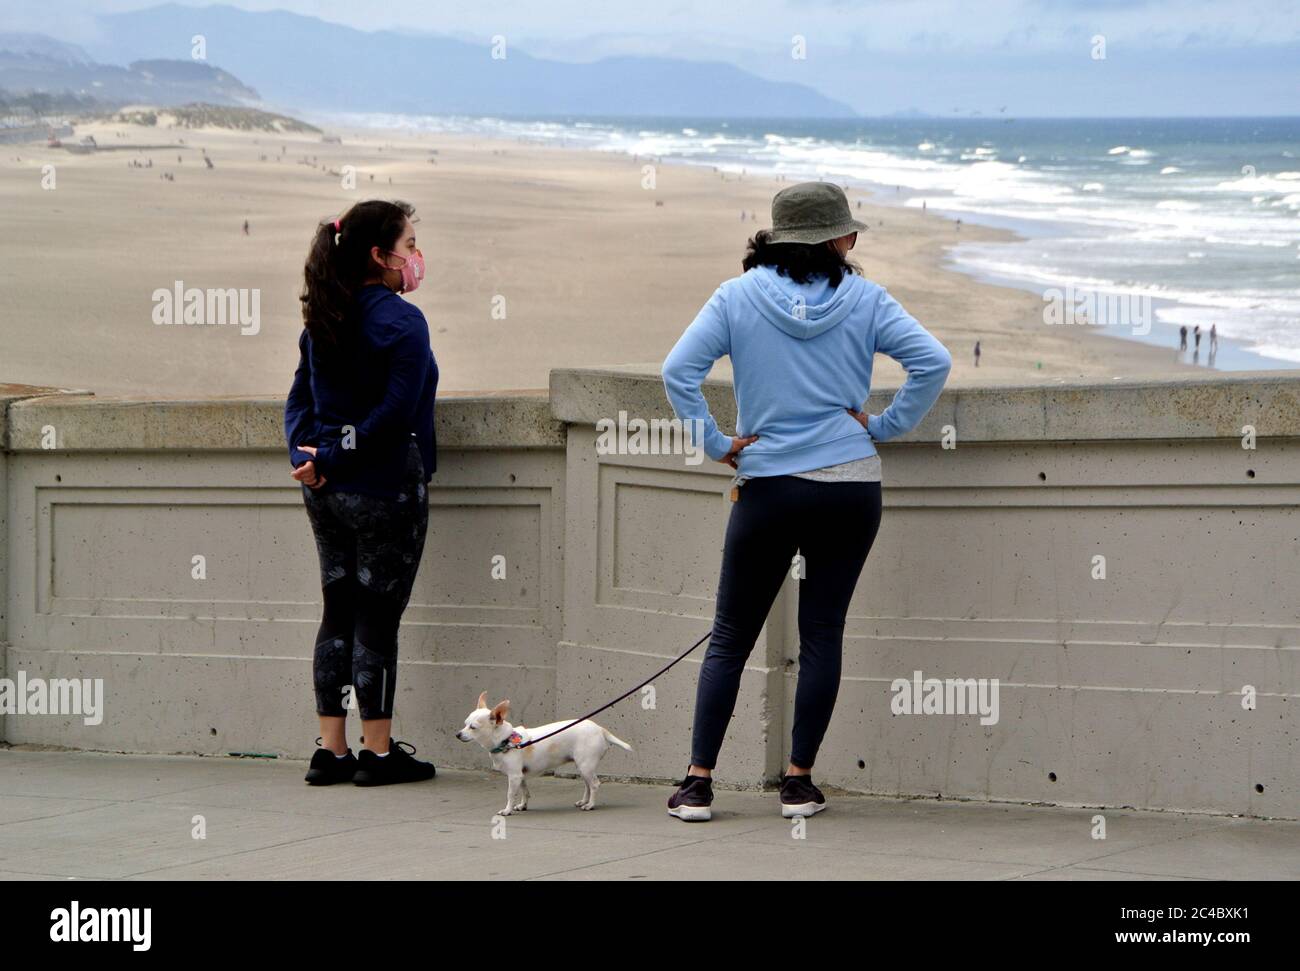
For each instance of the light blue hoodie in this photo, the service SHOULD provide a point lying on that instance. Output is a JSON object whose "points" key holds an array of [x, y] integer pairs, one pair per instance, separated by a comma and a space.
{"points": [[801, 354]]}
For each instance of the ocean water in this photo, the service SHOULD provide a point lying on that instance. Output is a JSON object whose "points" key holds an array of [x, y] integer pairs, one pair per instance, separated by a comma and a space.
{"points": [[1202, 216]]}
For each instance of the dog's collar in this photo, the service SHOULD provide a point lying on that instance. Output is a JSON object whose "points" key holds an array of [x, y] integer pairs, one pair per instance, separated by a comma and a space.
{"points": [[513, 741]]}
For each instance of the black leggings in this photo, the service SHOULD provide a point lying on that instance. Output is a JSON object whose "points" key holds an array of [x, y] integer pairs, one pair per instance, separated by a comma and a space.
{"points": [[832, 525], [369, 549]]}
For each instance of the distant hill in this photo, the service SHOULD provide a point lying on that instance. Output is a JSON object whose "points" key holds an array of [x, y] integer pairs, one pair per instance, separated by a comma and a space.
{"points": [[39, 45], [304, 63], [33, 63]]}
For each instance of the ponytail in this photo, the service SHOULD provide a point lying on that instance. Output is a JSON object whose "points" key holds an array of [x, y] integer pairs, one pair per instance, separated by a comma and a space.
{"points": [[338, 264]]}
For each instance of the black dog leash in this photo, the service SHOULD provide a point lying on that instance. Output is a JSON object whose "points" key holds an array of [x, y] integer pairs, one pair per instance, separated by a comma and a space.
{"points": [[565, 728]]}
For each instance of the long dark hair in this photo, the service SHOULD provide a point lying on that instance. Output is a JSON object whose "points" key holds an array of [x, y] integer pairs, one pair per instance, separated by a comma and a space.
{"points": [[338, 263], [800, 262]]}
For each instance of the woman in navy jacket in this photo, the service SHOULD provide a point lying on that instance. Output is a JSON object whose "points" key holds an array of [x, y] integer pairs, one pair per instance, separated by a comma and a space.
{"points": [[359, 425]]}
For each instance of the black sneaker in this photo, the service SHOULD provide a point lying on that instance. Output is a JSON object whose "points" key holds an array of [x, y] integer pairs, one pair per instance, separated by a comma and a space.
{"points": [[396, 766], [327, 768], [799, 797], [692, 800]]}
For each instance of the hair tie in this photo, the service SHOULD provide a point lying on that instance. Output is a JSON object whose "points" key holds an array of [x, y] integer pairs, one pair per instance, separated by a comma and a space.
{"points": [[338, 231]]}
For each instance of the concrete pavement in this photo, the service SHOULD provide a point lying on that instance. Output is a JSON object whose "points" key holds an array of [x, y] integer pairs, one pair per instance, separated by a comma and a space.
{"points": [[69, 815]]}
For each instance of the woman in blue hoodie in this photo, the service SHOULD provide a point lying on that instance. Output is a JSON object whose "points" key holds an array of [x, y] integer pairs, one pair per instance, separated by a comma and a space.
{"points": [[359, 425], [801, 327]]}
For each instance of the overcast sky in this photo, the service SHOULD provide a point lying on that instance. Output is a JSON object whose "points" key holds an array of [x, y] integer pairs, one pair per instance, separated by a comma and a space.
{"points": [[1034, 56]]}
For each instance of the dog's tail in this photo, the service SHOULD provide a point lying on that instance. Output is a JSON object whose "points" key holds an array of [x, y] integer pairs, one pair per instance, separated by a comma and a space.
{"points": [[615, 740]]}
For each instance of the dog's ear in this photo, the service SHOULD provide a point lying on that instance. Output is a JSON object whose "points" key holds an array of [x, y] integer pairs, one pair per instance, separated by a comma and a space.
{"points": [[482, 700], [499, 712]]}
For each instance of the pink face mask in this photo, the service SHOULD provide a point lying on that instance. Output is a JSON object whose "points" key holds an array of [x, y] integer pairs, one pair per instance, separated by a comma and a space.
{"points": [[412, 270]]}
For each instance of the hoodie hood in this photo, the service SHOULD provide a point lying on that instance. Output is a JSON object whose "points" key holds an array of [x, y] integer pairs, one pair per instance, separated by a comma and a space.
{"points": [[802, 310]]}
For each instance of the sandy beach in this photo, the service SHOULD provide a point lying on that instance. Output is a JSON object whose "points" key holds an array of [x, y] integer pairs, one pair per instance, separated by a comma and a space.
{"points": [[589, 267]]}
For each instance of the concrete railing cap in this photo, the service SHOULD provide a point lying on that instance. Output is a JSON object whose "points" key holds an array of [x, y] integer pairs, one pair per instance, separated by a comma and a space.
{"points": [[1213, 405], [145, 423]]}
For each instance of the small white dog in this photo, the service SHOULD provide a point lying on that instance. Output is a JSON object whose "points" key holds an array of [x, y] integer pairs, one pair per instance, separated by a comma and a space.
{"points": [[583, 745]]}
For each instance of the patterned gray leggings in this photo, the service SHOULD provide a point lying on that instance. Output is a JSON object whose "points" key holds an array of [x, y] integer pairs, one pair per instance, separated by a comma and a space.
{"points": [[369, 549]]}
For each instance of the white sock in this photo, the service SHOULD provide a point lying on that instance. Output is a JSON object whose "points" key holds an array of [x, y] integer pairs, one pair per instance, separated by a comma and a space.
{"points": [[343, 756], [383, 755]]}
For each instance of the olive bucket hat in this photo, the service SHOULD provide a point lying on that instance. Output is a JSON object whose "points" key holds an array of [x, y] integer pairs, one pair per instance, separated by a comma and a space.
{"points": [[812, 212]]}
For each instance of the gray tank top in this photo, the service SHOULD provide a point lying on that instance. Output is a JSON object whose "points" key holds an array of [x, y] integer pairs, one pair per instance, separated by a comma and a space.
{"points": [[859, 470]]}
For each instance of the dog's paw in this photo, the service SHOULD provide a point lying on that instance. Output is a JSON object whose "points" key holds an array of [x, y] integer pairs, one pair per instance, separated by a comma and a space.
{"points": [[505, 812], [586, 806]]}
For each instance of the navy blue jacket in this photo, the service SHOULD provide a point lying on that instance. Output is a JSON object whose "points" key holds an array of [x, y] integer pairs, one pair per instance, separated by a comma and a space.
{"points": [[382, 386]]}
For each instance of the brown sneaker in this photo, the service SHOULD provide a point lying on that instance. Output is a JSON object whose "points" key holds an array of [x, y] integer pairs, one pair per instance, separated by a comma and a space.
{"points": [[799, 797], [692, 799]]}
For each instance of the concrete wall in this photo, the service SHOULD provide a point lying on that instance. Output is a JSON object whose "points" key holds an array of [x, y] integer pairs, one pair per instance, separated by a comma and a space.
{"points": [[104, 529], [1118, 691]]}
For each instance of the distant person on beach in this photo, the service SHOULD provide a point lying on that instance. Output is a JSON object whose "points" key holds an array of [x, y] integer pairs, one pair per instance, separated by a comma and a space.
{"points": [[1196, 334], [245, 227], [359, 426], [801, 326], [1182, 338], [977, 353], [1214, 338]]}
